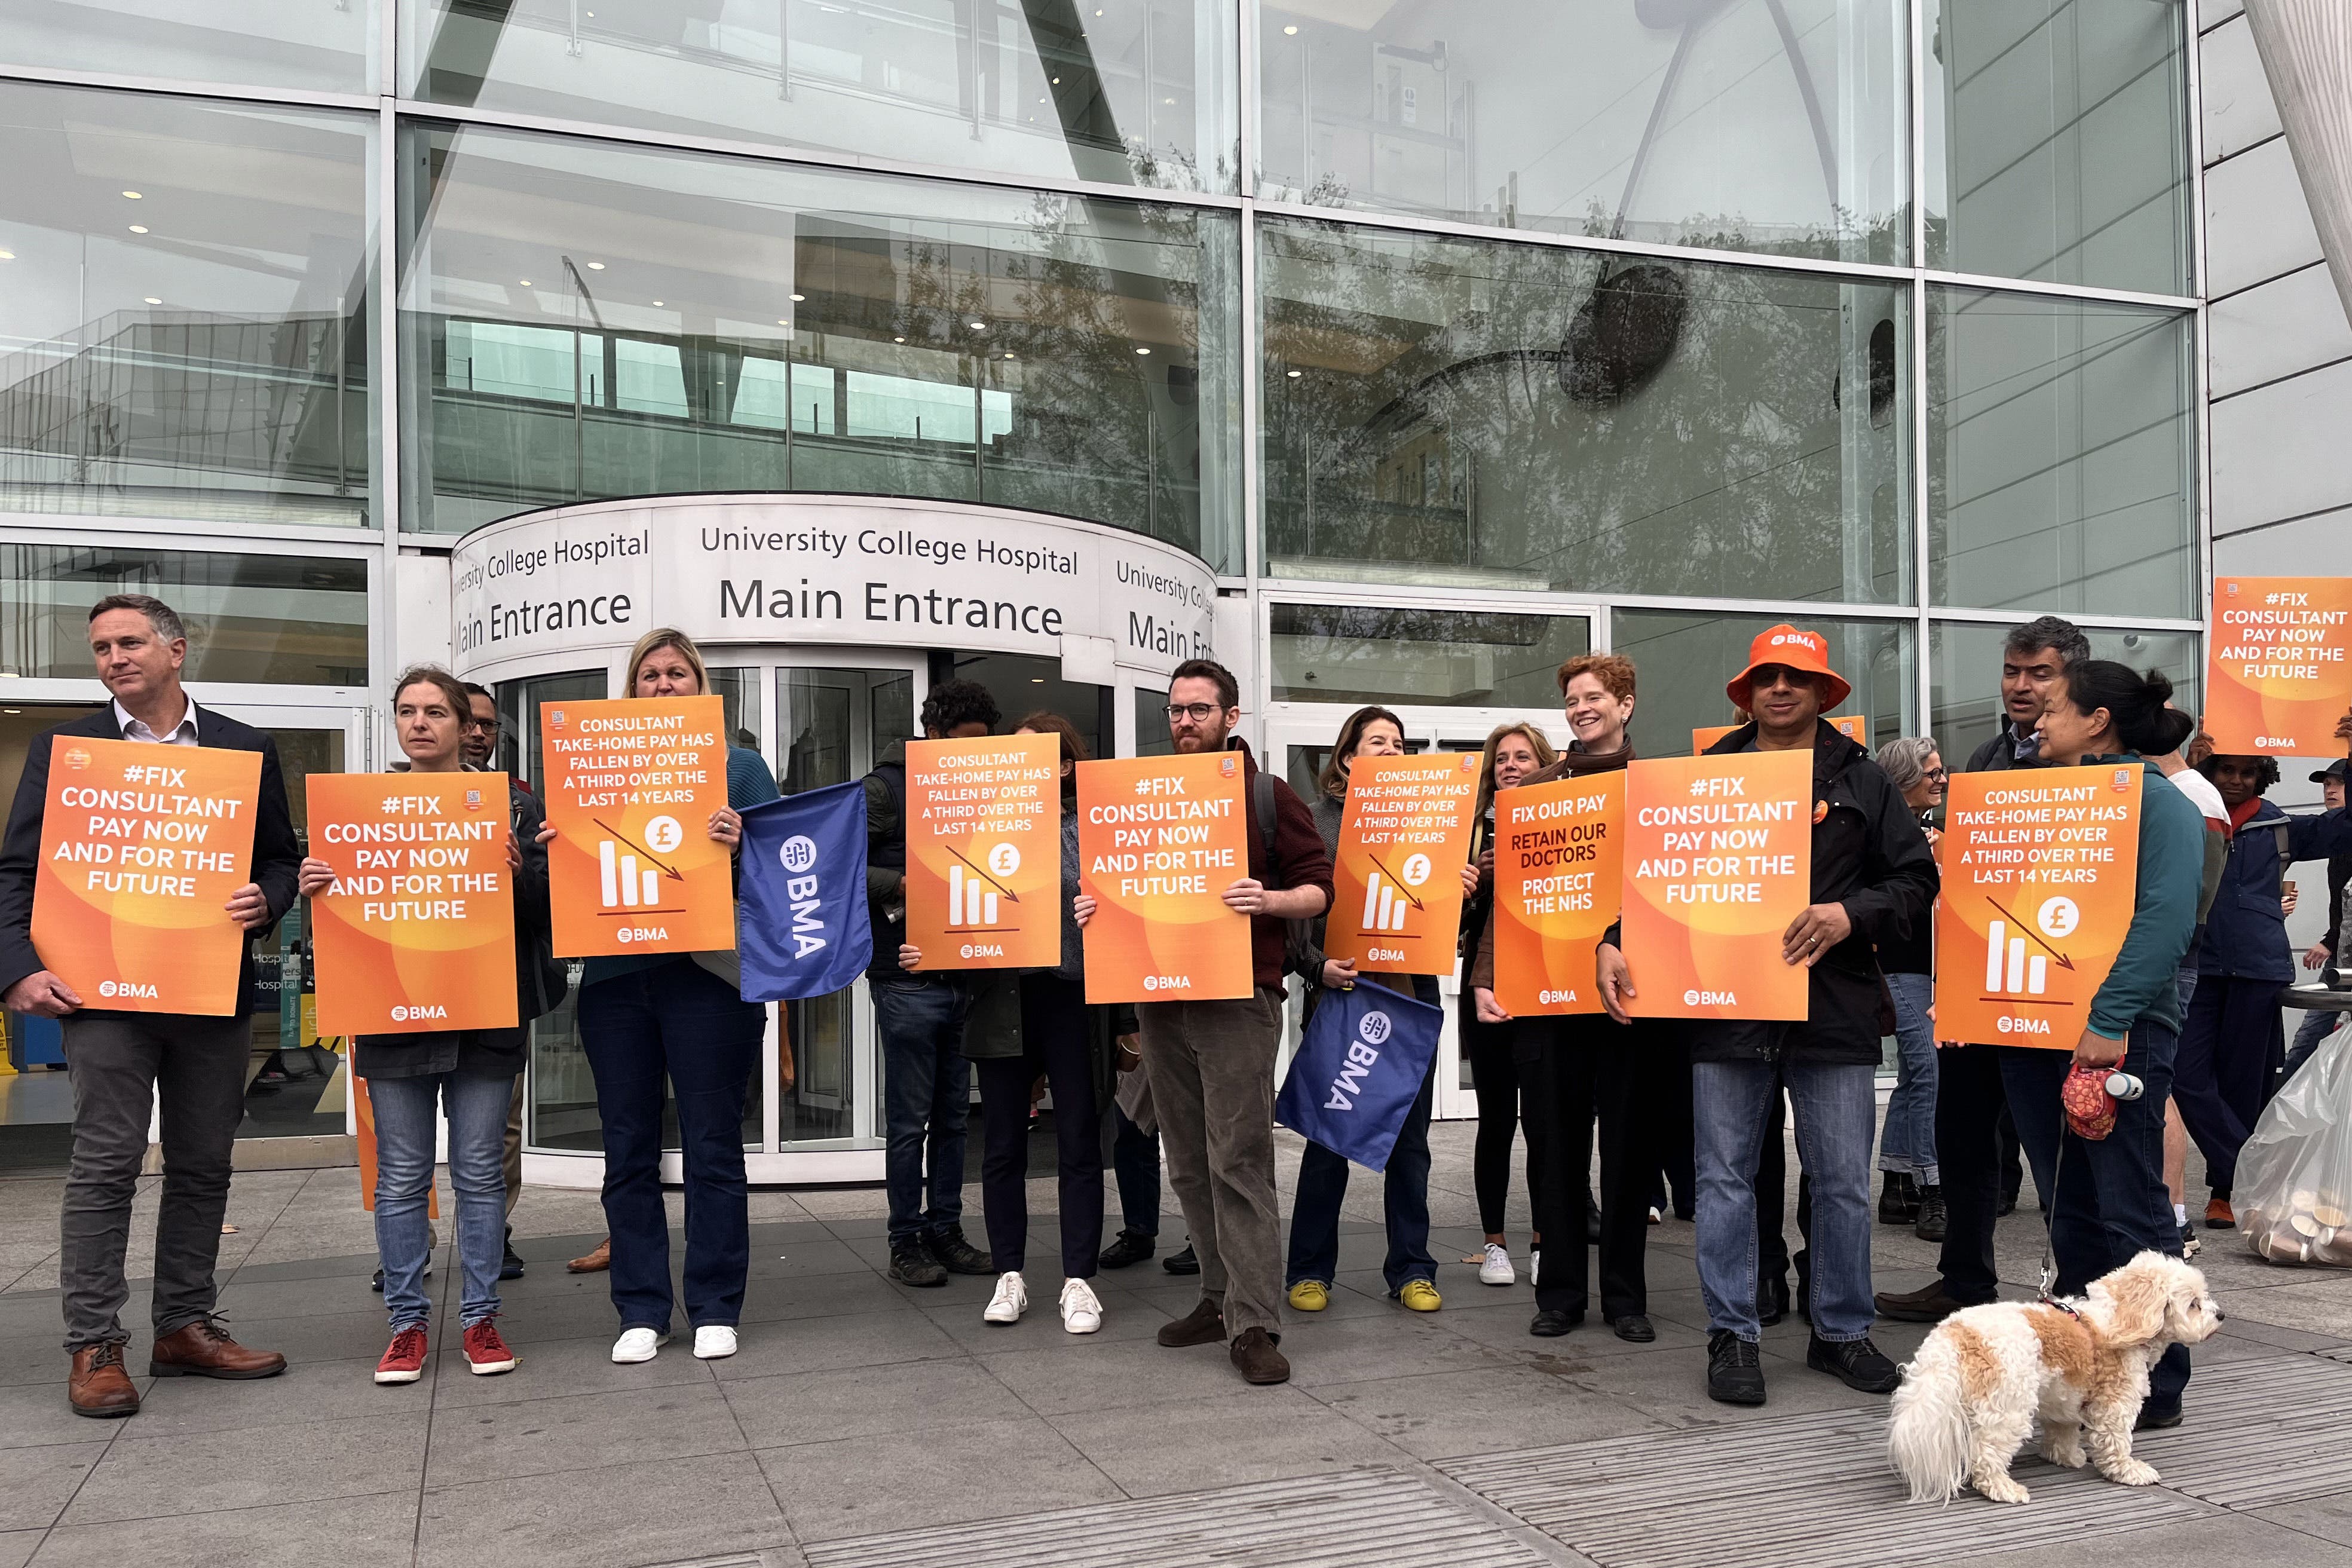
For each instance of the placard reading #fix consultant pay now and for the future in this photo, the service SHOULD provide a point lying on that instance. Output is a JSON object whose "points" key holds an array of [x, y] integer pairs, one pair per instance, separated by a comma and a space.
{"points": [[1160, 840], [2280, 674], [140, 848]]}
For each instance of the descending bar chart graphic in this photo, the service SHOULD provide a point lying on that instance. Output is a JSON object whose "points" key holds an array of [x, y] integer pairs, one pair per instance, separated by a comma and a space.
{"points": [[623, 885], [971, 900], [974, 894], [2009, 971], [1384, 904]]}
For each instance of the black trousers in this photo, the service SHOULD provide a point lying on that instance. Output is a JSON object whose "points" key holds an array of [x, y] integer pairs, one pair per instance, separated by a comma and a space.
{"points": [[1971, 1107], [1056, 1042], [1584, 1068], [1677, 1136], [1772, 1256], [1495, 1076]]}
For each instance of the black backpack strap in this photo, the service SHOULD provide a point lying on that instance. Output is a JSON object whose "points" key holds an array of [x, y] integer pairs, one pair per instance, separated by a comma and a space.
{"points": [[2286, 848], [1262, 808]]}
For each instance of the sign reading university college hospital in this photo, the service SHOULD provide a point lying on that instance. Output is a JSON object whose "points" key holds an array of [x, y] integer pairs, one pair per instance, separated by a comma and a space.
{"points": [[827, 569]]}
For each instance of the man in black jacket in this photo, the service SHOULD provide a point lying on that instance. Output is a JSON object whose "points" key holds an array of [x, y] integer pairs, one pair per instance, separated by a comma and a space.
{"points": [[1977, 1151], [121, 1062], [1874, 878]]}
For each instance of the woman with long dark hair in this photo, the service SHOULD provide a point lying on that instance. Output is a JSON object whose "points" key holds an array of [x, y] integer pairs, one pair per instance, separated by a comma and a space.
{"points": [[679, 1019]]}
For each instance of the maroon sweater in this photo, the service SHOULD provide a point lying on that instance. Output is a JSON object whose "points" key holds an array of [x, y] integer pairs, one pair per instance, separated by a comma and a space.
{"points": [[1299, 861]]}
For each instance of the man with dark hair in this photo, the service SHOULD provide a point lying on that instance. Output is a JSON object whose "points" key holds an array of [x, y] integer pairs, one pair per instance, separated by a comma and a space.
{"points": [[478, 745], [123, 1063], [2032, 657], [1211, 1063], [1977, 1149], [926, 1081]]}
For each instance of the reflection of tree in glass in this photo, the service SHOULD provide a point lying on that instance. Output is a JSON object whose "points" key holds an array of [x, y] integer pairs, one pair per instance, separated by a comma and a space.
{"points": [[1417, 417]]}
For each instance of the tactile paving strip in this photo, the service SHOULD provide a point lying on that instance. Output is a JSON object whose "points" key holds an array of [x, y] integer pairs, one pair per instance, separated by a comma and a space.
{"points": [[1355, 1518], [2261, 1433], [1799, 1491]]}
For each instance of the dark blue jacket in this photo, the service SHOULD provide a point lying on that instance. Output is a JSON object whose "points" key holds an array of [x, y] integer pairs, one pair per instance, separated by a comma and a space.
{"points": [[2245, 934]]}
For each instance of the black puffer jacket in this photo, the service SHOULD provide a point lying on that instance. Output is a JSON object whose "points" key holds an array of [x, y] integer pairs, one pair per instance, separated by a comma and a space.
{"points": [[1868, 854]]}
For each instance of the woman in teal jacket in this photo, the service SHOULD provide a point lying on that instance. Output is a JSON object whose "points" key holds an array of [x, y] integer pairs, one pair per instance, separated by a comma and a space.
{"points": [[2109, 1202]]}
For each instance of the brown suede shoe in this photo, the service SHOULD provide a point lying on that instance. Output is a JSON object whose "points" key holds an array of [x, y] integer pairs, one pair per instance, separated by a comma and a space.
{"points": [[595, 1262], [1203, 1325], [99, 1386], [1253, 1351], [204, 1349], [1928, 1304]]}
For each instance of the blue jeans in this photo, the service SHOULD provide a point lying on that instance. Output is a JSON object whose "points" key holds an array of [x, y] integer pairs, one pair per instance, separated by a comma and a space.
{"points": [[1836, 1109], [403, 1179], [2315, 1026], [1404, 1203], [1907, 1145], [926, 1101], [2108, 1203], [683, 1023], [1135, 1156]]}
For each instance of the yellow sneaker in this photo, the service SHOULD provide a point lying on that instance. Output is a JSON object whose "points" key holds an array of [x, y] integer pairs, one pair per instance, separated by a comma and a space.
{"points": [[1420, 1296], [1310, 1296]]}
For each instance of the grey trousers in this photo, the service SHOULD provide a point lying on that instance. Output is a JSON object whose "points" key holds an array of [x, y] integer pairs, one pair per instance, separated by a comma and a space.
{"points": [[1212, 1072], [120, 1063]]}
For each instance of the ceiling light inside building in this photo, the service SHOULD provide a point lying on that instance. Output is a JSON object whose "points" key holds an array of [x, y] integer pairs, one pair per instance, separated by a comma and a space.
{"points": [[595, 267], [139, 229], [134, 195], [977, 326], [153, 299], [897, 339], [7, 256], [1143, 351], [1290, 32], [798, 297], [657, 301], [783, 323], [1296, 374], [525, 282]]}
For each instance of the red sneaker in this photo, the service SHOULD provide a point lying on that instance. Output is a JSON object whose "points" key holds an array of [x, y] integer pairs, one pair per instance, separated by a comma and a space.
{"points": [[485, 1352], [404, 1362]]}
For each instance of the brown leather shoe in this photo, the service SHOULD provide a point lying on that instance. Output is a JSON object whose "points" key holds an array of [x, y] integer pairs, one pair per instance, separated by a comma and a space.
{"points": [[1928, 1304], [204, 1349], [595, 1262], [100, 1385], [2217, 1216], [1253, 1351], [1204, 1325]]}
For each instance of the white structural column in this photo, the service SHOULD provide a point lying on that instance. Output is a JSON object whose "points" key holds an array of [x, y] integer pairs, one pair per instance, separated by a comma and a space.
{"points": [[2307, 49]]}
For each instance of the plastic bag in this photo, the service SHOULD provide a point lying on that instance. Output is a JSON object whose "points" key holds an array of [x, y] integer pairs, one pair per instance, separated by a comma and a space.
{"points": [[2293, 1188]]}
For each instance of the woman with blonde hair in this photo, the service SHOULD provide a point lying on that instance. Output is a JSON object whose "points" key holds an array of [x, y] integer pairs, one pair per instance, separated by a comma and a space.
{"points": [[679, 1018], [1512, 751]]}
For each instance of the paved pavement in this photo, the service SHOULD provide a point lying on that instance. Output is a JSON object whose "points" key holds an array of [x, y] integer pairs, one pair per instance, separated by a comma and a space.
{"points": [[868, 1424]]}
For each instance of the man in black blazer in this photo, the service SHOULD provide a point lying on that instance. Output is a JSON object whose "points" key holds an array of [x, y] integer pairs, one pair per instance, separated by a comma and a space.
{"points": [[119, 1062]]}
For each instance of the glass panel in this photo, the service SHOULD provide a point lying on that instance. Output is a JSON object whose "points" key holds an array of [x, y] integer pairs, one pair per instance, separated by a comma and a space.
{"points": [[1963, 664], [734, 687], [326, 45], [1353, 653], [297, 1084], [1151, 738], [2058, 142], [2061, 468], [1022, 686], [1773, 125], [1130, 92], [1685, 657], [1484, 414], [183, 323], [279, 619], [584, 320]]}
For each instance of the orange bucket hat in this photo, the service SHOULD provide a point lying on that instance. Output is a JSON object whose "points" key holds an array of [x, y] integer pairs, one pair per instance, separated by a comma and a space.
{"points": [[1796, 649]]}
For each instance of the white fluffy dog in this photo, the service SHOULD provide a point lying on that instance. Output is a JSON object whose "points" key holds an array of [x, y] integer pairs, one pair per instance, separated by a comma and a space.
{"points": [[1970, 1399]]}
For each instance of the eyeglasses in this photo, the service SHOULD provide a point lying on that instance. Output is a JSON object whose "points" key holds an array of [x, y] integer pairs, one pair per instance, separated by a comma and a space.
{"points": [[490, 724], [1199, 712], [1938, 775]]}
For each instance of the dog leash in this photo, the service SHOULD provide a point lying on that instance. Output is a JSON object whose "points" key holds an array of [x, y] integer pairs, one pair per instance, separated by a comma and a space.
{"points": [[2049, 1230]]}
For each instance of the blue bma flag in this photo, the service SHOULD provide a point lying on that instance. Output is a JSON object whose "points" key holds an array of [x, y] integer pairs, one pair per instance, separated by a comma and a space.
{"points": [[1358, 1070], [803, 930]]}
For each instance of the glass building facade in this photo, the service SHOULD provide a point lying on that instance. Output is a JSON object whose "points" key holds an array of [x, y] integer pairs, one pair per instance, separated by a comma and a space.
{"points": [[1452, 335]]}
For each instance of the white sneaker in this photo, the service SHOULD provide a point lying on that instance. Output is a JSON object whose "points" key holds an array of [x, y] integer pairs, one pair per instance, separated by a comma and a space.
{"points": [[1535, 1263], [713, 1341], [1011, 1298], [637, 1344], [1656, 1217], [1081, 1313], [1495, 1268]]}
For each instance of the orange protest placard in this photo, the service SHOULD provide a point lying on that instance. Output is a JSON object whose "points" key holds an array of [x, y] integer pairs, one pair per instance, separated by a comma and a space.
{"points": [[141, 845], [1718, 860], [1560, 853], [984, 852], [2041, 872], [630, 786], [417, 930], [1396, 886], [1852, 726], [1160, 840], [2280, 674]]}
